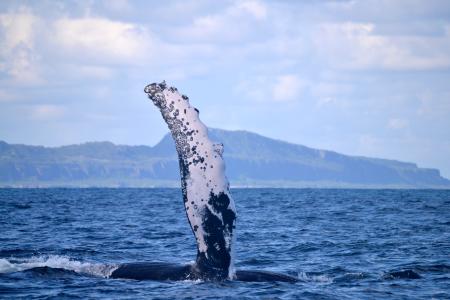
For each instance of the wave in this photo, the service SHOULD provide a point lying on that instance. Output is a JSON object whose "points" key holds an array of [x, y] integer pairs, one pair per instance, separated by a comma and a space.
{"points": [[55, 262]]}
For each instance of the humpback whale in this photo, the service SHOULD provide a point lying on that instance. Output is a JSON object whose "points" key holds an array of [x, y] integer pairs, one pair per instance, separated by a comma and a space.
{"points": [[207, 200]]}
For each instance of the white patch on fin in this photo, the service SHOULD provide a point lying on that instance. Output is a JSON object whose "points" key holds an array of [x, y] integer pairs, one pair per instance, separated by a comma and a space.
{"points": [[207, 199]]}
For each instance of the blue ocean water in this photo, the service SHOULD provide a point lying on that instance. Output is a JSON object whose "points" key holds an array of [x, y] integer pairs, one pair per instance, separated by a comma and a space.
{"points": [[342, 244]]}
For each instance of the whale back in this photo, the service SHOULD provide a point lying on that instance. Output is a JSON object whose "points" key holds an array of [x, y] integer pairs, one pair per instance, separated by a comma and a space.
{"points": [[207, 199]]}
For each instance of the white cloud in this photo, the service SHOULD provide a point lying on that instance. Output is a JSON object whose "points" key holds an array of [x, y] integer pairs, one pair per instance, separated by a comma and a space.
{"points": [[205, 26], [34, 48], [37, 50], [103, 39], [287, 87], [353, 45], [234, 24], [18, 58], [255, 8], [396, 123], [95, 72], [282, 88], [17, 29], [47, 112]]}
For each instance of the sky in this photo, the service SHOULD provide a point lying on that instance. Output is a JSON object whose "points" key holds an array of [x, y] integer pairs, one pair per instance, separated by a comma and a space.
{"points": [[369, 78]]}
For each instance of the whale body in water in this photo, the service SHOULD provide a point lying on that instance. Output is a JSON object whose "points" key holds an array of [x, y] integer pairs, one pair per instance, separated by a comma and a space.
{"points": [[207, 200]]}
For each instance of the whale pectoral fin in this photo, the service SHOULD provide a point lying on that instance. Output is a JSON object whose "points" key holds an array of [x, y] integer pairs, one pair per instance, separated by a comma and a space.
{"points": [[207, 199], [218, 148]]}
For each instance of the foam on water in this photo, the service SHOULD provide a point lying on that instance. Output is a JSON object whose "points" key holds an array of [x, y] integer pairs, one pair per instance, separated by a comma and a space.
{"points": [[55, 261], [315, 278]]}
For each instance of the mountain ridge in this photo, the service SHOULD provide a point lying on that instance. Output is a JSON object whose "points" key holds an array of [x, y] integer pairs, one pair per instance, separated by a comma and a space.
{"points": [[251, 159]]}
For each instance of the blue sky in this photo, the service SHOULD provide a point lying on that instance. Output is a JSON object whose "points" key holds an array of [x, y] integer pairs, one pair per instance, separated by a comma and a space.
{"points": [[367, 78]]}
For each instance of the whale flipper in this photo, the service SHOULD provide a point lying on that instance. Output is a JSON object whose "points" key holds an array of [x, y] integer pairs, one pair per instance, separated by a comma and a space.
{"points": [[207, 199]]}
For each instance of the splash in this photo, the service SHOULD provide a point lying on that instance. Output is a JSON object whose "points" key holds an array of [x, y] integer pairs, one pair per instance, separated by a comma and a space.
{"points": [[322, 279], [58, 262]]}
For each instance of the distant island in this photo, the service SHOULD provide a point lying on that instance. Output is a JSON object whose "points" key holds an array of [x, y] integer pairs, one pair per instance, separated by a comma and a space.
{"points": [[252, 160]]}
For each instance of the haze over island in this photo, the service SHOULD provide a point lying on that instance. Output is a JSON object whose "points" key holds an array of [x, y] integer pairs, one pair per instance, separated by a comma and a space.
{"points": [[251, 160], [362, 78]]}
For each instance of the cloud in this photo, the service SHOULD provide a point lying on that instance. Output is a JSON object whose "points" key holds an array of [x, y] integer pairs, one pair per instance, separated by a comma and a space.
{"points": [[36, 50], [255, 8], [396, 123], [17, 54], [351, 45], [103, 39], [61, 50], [47, 112], [280, 88], [287, 88], [94, 72], [234, 24], [17, 29]]}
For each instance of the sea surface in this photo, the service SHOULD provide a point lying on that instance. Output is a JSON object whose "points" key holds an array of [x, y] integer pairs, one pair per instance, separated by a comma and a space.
{"points": [[341, 244]]}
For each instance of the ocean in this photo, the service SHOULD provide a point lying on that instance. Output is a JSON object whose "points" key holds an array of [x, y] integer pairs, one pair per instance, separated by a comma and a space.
{"points": [[341, 244]]}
